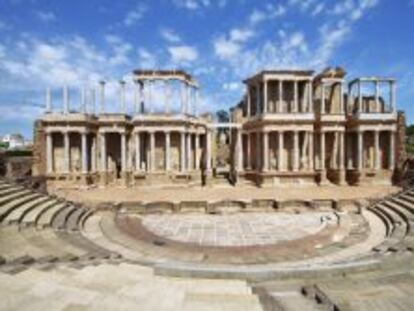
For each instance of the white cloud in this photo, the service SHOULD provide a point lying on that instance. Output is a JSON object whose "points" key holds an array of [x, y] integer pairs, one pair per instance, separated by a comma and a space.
{"points": [[232, 86], [147, 60], [46, 16], [225, 49], [193, 4], [170, 35], [318, 9], [134, 15], [270, 12], [241, 35], [183, 53]]}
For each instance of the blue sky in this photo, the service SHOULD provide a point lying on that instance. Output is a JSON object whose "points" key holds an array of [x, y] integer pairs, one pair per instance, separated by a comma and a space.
{"points": [[221, 42]]}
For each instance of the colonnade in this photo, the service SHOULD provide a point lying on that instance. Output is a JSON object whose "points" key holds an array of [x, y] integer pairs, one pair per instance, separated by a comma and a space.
{"points": [[132, 147], [262, 93]]}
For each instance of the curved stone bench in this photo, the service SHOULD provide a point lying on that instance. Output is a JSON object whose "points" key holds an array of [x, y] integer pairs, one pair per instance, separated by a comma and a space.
{"points": [[19, 212]]}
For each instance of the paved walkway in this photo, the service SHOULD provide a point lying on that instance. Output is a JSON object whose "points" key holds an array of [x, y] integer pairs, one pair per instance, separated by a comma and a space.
{"points": [[148, 194], [236, 229]]}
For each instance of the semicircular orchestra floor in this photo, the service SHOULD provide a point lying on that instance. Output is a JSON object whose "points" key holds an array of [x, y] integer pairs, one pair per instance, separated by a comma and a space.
{"points": [[242, 229], [240, 238]]}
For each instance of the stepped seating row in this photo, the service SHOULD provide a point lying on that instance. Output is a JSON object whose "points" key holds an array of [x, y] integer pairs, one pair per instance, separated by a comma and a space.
{"points": [[397, 214], [121, 287], [37, 228]]}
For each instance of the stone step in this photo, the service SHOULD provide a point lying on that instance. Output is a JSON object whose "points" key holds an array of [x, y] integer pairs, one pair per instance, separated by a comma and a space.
{"points": [[31, 216], [46, 218], [15, 215], [7, 208], [19, 194], [60, 221], [72, 223], [10, 190]]}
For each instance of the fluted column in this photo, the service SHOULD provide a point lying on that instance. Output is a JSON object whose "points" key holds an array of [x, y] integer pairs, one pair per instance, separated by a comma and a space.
{"points": [[49, 152], [137, 151], [265, 167], [377, 151], [123, 152], [84, 153], [392, 151], [188, 152], [182, 151], [103, 152], [280, 101], [360, 150], [258, 164], [167, 151], [93, 153], [341, 150], [280, 164], [295, 95], [208, 150], [249, 151], [295, 151], [322, 151], [311, 151], [66, 155], [152, 151], [310, 99], [239, 150], [197, 151]]}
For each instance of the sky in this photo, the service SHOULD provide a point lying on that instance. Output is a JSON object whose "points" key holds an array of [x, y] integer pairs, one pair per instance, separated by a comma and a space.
{"points": [[220, 42]]}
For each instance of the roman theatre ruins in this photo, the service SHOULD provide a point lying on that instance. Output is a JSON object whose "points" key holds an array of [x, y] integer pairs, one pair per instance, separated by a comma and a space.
{"points": [[293, 200]]}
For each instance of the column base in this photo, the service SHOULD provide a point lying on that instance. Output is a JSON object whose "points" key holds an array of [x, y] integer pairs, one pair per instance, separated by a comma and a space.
{"points": [[342, 178], [323, 179], [125, 179]]}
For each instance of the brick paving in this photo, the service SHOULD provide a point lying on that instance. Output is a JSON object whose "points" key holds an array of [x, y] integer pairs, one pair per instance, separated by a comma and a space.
{"points": [[236, 229]]}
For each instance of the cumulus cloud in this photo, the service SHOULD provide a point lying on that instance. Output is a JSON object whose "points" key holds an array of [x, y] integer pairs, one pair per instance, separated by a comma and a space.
{"points": [[170, 35], [183, 53], [134, 15], [46, 16]]}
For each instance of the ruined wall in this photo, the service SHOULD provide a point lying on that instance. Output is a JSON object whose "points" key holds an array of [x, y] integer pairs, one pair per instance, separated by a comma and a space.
{"points": [[39, 149]]}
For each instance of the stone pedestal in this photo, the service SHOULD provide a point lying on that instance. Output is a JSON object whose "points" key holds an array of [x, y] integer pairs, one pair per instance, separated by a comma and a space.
{"points": [[323, 180], [342, 178]]}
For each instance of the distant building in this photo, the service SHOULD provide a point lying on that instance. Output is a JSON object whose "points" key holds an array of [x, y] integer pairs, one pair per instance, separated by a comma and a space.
{"points": [[14, 141]]}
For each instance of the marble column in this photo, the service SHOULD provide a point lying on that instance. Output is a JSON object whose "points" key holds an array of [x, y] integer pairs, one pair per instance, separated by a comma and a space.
{"points": [[102, 100], [258, 151], [208, 150], [182, 152], [257, 99], [152, 151], [137, 151], [84, 153], [93, 153], [49, 152], [197, 151], [311, 151], [66, 156], [280, 101], [341, 151], [265, 167], [295, 95], [188, 153], [377, 150], [48, 100], [265, 97], [323, 98], [280, 148], [295, 151], [123, 152], [341, 99], [392, 151], [103, 152], [360, 150], [66, 99], [239, 150], [167, 151], [322, 151], [249, 151], [310, 100], [377, 95]]}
